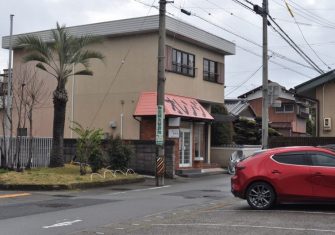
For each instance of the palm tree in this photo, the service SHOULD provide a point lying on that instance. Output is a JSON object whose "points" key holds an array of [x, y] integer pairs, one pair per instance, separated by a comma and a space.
{"points": [[58, 58]]}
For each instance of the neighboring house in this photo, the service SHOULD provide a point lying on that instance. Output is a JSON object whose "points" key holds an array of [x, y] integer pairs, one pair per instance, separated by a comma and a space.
{"points": [[239, 108], [288, 113], [322, 89], [121, 96]]}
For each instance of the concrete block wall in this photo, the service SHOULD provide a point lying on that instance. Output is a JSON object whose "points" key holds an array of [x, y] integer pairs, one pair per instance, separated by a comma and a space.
{"points": [[221, 155], [144, 158]]}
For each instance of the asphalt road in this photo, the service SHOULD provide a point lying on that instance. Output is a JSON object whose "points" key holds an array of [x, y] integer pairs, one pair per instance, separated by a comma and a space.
{"points": [[183, 206]]}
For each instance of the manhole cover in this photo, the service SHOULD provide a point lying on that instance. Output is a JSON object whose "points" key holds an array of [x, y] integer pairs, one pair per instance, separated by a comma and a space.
{"points": [[55, 205]]}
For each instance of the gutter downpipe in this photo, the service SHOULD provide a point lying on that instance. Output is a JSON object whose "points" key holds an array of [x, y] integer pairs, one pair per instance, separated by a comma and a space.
{"points": [[323, 102]]}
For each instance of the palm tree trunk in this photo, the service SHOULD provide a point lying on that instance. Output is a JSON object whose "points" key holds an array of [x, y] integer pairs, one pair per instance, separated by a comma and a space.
{"points": [[59, 99]]}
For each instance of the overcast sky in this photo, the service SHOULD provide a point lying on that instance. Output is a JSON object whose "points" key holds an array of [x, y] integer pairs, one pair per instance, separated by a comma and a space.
{"points": [[313, 24]]}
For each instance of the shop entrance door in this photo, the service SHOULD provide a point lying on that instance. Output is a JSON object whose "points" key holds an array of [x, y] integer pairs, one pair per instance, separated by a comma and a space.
{"points": [[185, 148]]}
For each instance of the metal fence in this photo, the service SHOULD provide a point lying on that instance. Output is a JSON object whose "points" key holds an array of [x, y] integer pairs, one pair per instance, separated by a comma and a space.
{"points": [[41, 148]]}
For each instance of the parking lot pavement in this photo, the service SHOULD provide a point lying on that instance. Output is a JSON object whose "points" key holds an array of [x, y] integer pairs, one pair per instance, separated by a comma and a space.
{"points": [[232, 216]]}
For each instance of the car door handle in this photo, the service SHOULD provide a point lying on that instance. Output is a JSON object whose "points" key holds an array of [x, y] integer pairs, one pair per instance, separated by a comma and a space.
{"points": [[317, 173], [276, 172]]}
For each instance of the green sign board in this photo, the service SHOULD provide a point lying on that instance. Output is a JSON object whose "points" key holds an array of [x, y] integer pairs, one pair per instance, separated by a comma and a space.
{"points": [[160, 125]]}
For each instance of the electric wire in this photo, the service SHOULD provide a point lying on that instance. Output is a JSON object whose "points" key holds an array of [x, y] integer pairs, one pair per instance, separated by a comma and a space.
{"points": [[303, 36], [117, 72], [292, 44], [250, 41], [243, 5], [244, 81], [307, 17], [288, 39], [313, 15]]}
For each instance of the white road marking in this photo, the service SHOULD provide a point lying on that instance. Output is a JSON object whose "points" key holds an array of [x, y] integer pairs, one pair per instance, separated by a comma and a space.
{"points": [[140, 190], [67, 223], [135, 224], [277, 211], [246, 226], [119, 228]]}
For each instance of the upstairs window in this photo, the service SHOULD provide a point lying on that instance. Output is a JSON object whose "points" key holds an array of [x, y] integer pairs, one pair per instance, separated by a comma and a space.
{"points": [[182, 62], [213, 71], [285, 108]]}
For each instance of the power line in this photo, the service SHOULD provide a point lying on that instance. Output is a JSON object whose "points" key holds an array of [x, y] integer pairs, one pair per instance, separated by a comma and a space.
{"points": [[313, 15], [274, 62], [307, 16], [248, 40], [289, 40], [291, 43], [303, 36], [119, 69], [243, 5], [246, 80]]}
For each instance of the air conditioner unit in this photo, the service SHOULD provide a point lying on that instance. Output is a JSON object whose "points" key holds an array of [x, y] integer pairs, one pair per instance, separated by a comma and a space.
{"points": [[327, 124]]}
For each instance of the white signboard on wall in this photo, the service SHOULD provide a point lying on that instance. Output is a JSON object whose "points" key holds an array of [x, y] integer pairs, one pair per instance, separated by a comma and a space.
{"points": [[173, 133]]}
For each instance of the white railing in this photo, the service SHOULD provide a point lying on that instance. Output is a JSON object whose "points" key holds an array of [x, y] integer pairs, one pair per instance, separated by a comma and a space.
{"points": [[41, 148]]}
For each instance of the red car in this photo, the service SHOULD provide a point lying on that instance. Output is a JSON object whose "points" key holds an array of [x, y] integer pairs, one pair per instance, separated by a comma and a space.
{"points": [[290, 174]]}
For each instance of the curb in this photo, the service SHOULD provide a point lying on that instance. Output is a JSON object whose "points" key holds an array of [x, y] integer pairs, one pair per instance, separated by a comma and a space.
{"points": [[50, 187]]}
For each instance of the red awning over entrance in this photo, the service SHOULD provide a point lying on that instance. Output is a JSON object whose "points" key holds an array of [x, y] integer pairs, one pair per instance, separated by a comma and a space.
{"points": [[179, 106]]}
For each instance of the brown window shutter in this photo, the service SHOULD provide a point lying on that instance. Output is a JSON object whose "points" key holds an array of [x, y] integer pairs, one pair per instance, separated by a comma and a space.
{"points": [[168, 58], [221, 73]]}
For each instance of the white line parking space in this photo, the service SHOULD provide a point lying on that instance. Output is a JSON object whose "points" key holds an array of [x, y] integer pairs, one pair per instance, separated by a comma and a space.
{"points": [[245, 226]]}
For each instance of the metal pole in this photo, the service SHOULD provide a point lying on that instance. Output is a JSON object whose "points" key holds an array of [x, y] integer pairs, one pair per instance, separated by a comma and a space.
{"points": [[265, 103], [160, 88], [72, 100], [9, 82], [8, 101]]}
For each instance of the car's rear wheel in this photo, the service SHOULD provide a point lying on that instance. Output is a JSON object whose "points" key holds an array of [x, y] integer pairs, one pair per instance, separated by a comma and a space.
{"points": [[260, 196]]}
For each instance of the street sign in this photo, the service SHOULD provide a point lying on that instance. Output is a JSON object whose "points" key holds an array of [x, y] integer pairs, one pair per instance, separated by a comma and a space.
{"points": [[160, 125]]}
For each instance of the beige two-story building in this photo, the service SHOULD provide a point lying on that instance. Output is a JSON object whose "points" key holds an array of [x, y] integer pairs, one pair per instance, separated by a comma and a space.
{"points": [[120, 97], [322, 89]]}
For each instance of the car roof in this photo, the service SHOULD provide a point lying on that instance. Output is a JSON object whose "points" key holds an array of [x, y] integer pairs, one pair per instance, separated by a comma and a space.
{"points": [[298, 149]]}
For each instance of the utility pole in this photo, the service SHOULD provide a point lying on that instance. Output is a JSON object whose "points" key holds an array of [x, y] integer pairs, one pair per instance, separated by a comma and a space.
{"points": [[8, 101], [160, 158], [263, 11], [265, 103]]}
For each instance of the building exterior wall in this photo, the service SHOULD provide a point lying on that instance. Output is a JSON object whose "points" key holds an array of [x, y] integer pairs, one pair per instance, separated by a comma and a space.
{"points": [[298, 125], [195, 87], [326, 94], [111, 94]]}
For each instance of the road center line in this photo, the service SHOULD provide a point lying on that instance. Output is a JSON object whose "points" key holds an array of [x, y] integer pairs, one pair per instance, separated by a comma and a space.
{"points": [[66, 223], [246, 226], [14, 195]]}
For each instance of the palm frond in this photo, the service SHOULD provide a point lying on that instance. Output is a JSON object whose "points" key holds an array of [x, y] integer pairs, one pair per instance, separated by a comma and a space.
{"points": [[41, 66], [35, 57], [83, 57], [33, 43]]}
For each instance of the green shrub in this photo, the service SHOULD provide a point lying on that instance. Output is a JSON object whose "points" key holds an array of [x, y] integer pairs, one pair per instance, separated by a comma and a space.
{"points": [[89, 148], [118, 153]]}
